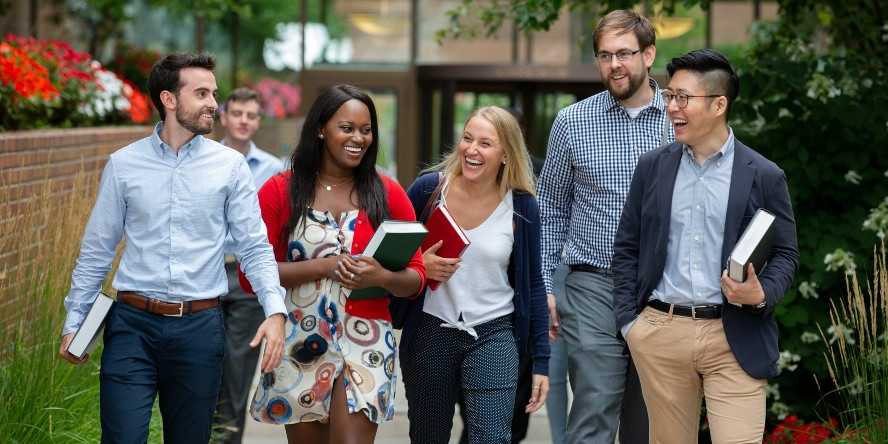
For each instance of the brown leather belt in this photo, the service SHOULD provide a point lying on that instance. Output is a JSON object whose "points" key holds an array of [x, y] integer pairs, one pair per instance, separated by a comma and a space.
{"points": [[158, 307]]}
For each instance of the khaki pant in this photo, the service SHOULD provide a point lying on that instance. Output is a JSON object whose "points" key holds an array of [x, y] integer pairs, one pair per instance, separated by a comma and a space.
{"points": [[679, 361]]}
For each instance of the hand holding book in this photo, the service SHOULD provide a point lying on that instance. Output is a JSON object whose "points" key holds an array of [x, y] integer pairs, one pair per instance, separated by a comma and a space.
{"points": [[355, 272], [748, 292], [66, 355], [439, 268]]}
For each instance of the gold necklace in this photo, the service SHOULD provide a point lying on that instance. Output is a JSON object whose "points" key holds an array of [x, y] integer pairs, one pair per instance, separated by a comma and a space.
{"points": [[330, 187]]}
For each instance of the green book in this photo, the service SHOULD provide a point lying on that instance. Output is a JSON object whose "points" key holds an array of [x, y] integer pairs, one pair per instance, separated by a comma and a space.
{"points": [[393, 245]]}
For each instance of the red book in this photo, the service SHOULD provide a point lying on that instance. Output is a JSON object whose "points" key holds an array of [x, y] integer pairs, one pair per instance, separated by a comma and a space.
{"points": [[441, 226]]}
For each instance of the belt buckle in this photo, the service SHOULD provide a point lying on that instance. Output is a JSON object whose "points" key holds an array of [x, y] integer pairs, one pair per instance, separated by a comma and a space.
{"points": [[180, 313]]}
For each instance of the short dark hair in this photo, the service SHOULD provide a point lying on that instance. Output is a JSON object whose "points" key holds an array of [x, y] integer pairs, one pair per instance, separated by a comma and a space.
{"points": [[718, 74], [625, 20], [242, 95], [164, 75]]}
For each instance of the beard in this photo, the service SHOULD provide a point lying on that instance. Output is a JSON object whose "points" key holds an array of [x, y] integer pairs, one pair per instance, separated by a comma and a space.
{"points": [[192, 121], [636, 80]]}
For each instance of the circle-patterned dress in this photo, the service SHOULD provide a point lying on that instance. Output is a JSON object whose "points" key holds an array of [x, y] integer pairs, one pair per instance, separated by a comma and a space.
{"points": [[324, 342]]}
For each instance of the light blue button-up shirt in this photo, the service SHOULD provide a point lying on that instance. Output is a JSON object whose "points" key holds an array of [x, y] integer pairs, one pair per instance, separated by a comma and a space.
{"points": [[693, 267], [175, 212], [697, 228], [262, 164]]}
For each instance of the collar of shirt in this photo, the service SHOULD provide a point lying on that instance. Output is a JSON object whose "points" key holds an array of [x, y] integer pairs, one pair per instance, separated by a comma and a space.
{"points": [[725, 152], [611, 103], [251, 156], [161, 148]]}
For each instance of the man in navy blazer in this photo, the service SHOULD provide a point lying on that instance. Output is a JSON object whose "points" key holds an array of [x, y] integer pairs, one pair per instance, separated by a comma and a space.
{"points": [[691, 330]]}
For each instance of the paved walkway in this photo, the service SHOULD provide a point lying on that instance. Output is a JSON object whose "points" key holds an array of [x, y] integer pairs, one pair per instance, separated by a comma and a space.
{"points": [[396, 431]]}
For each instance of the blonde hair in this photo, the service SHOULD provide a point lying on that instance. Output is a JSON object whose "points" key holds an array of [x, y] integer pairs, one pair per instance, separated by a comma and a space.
{"points": [[517, 173]]}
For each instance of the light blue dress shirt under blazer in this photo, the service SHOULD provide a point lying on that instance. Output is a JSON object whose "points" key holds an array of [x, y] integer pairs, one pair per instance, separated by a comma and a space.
{"points": [[692, 274], [175, 212]]}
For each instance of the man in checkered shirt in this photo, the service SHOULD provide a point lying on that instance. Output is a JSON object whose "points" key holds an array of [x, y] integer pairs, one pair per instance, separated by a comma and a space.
{"points": [[593, 148]]}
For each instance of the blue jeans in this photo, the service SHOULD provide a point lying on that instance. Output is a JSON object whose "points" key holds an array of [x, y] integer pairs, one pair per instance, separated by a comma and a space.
{"points": [[178, 358]]}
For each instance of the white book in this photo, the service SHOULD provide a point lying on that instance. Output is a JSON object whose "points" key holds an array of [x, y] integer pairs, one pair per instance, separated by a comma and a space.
{"points": [[90, 330], [754, 246]]}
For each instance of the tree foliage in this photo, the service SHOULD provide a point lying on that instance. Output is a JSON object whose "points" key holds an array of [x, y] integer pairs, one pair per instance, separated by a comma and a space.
{"points": [[469, 19]]}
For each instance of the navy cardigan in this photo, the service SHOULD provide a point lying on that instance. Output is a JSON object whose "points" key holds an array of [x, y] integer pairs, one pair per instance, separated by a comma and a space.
{"points": [[530, 321]]}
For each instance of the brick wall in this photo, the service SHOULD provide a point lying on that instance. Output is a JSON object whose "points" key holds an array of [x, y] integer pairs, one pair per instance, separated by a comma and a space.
{"points": [[32, 162]]}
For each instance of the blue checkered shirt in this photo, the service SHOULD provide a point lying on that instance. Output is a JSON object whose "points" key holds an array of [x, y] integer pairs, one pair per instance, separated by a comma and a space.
{"points": [[593, 148]]}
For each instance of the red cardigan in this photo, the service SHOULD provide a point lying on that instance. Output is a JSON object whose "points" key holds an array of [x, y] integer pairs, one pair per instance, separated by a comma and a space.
{"points": [[274, 201]]}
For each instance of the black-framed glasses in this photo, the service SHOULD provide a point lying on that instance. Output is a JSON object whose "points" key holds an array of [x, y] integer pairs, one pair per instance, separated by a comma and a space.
{"points": [[622, 55], [681, 99]]}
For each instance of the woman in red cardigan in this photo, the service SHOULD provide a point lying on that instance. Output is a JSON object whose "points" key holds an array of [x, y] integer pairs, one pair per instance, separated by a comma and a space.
{"points": [[336, 382]]}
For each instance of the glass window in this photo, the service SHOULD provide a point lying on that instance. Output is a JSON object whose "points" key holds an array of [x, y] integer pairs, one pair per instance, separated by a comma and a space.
{"points": [[386, 102], [466, 102], [433, 16]]}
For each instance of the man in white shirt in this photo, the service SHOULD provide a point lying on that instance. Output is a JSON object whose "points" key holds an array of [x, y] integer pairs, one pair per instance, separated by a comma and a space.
{"points": [[240, 116]]}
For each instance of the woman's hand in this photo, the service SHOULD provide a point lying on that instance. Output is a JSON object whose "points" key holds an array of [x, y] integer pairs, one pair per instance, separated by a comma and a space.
{"points": [[355, 272], [538, 393], [439, 268]]}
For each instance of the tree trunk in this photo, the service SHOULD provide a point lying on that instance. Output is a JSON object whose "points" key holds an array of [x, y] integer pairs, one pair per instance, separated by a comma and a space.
{"points": [[235, 48], [200, 26]]}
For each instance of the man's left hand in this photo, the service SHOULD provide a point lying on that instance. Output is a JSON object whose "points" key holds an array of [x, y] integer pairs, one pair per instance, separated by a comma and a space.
{"points": [[272, 330], [746, 293]]}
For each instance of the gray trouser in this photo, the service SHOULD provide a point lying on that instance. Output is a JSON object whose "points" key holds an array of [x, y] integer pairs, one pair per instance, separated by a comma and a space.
{"points": [[556, 402], [597, 366], [243, 315]]}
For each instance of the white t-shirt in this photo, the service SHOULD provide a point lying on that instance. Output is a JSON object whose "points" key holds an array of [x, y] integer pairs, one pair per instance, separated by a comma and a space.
{"points": [[634, 112], [479, 291]]}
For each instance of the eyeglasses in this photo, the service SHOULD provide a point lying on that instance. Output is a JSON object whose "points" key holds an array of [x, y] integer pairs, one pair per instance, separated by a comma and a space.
{"points": [[681, 99], [622, 55]]}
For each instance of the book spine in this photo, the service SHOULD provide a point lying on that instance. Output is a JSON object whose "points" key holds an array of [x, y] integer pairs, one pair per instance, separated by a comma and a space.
{"points": [[735, 271]]}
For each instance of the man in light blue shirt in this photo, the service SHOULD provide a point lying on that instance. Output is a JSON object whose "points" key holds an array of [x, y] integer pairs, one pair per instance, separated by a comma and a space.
{"points": [[175, 196], [240, 116]]}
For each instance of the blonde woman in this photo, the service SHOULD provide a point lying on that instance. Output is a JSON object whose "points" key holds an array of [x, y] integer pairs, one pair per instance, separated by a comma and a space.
{"points": [[466, 337]]}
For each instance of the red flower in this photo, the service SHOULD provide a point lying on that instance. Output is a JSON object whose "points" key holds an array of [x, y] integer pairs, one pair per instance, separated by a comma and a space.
{"points": [[794, 431], [27, 77]]}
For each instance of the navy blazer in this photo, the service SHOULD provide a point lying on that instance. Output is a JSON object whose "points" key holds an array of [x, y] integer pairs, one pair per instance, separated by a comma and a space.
{"points": [[641, 239], [530, 320]]}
